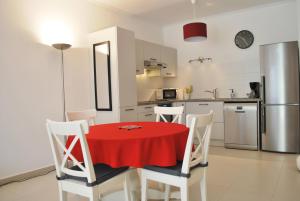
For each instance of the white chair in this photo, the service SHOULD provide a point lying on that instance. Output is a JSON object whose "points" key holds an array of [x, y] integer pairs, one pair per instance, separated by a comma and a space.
{"points": [[194, 162], [83, 178], [176, 112], [89, 115]]}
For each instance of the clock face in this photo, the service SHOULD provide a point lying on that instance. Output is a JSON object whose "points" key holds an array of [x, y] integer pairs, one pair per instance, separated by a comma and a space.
{"points": [[244, 39]]}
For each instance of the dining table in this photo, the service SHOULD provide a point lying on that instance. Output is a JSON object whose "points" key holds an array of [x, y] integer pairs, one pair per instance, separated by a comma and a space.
{"points": [[135, 144]]}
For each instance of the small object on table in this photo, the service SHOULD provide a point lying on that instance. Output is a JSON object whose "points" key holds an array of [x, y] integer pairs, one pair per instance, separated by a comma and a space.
{"points": [[130, 127]]}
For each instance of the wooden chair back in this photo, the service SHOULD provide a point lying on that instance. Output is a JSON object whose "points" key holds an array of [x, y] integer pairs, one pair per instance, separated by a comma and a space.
{"points": [[61, 154], [89, 115], [200, 127], [176, 112]]}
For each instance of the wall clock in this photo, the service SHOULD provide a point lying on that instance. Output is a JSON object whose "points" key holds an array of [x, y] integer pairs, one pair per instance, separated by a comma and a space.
{"points": [[244, 39]]}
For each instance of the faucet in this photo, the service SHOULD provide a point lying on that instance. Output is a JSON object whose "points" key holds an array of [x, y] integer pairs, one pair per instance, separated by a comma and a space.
{"points": [[232, 93], [213, 92]]}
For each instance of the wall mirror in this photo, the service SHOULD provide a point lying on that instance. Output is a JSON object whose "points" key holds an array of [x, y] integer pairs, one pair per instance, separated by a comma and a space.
{"points": [[102, 76]]}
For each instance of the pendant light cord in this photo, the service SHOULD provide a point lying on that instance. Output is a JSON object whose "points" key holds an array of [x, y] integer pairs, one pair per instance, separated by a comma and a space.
{"points": [[194, 8]]}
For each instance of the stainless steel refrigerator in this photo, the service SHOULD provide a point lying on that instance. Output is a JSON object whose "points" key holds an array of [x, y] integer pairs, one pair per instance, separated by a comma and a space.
{"points": [[280, 97]]}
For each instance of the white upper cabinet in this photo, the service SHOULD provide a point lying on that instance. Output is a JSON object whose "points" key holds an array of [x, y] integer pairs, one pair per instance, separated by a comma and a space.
{"points": [[126, 68], [139, 56], [152, 51], [169, 58]]}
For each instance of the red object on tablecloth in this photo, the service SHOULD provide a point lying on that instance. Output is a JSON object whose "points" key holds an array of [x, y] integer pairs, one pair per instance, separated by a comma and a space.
{"points": [[155, 143]]}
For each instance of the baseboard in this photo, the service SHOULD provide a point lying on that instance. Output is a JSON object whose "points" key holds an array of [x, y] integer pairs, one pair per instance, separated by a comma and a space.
{"points": [[27, 175], [216, 143]]}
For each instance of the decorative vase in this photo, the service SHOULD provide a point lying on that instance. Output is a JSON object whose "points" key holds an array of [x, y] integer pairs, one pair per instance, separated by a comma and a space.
{"points": [[298, 162]]}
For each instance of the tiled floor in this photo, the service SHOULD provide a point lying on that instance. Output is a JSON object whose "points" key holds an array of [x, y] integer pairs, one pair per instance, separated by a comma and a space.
{"points": [[233, 175]]}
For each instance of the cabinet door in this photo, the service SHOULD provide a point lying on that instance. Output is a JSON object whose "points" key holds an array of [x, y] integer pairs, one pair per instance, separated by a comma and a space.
{"points": [[146, 108], [139, 56], [147, 116], [128, 114], [217, 132], [205, 107], [126, 69], [169, 58], [152, 51]]}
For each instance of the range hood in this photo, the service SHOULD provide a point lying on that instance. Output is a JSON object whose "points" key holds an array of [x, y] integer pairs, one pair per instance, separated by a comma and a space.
{"points": [[154, 65]]}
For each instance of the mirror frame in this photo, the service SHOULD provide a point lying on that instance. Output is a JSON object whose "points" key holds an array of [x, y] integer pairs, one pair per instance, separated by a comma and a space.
{"points": [[109, 77]]}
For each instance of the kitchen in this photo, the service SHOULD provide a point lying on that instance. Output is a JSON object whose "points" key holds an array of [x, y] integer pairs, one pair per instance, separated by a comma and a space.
{"points": [[169, 97], [226, 67], [243, 121]]}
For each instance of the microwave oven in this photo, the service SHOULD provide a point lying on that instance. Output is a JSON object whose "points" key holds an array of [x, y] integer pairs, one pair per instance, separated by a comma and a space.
{"points": [[162, 94]]}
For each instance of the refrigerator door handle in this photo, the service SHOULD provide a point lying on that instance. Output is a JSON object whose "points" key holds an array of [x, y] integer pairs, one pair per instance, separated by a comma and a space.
{"points": [[263, 88], [263, 120]]}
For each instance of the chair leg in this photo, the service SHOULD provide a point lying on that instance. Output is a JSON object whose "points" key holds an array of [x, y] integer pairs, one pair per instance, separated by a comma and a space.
{"points": [[203, 190], [127, 189], [184, 192], [167, 192], [62, 194], [144, 188], [94, 196]]}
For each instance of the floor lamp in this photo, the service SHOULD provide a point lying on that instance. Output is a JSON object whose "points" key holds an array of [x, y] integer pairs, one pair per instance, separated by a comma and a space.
{"points": [[62, 47]]}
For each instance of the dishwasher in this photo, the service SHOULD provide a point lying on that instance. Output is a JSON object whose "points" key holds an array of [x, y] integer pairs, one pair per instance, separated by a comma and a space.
{"points": [[241, 125]]}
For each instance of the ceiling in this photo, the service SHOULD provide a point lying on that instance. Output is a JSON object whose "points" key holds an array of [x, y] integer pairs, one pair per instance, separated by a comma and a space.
{"points": [[170, 11]]}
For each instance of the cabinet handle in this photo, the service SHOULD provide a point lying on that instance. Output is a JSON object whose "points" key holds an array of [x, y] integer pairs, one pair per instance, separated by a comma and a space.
{"points": [[203, 104], [147, 107], [239, 111], [153, 59], [127, 110], [147, 115], [169, 73]]}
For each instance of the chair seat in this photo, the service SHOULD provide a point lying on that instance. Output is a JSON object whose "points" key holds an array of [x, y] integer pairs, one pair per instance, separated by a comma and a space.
{"points": [[103, 173], [173, 170]]}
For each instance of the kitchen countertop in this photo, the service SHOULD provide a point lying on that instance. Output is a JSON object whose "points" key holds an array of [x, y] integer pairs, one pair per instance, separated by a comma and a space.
{"points": [[225, 100]]}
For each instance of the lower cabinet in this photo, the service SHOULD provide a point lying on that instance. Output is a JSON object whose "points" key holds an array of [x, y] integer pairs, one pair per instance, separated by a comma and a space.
{"points": [[206, 107], [217, 135], [146, 117], [128, 114], [218, 131], [146, 113]]}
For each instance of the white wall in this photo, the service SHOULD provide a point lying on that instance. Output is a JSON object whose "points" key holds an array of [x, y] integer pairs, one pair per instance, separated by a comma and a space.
{"points": [[146, 87], [231, 67], [30, 83]]}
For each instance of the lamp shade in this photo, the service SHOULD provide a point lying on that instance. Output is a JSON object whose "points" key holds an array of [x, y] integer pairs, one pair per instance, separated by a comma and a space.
{"points": [[194, 32], [61, 46]]}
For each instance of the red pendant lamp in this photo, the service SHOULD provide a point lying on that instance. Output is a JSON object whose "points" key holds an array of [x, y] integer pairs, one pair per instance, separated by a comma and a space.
{"points": [[196, 31]]}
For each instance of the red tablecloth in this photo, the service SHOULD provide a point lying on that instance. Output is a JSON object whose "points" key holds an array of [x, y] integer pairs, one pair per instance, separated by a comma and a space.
{"points": [[156, 143]]}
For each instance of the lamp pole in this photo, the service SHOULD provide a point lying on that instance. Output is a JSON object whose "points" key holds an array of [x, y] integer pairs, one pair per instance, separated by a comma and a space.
{"points": [[62, 47]]}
